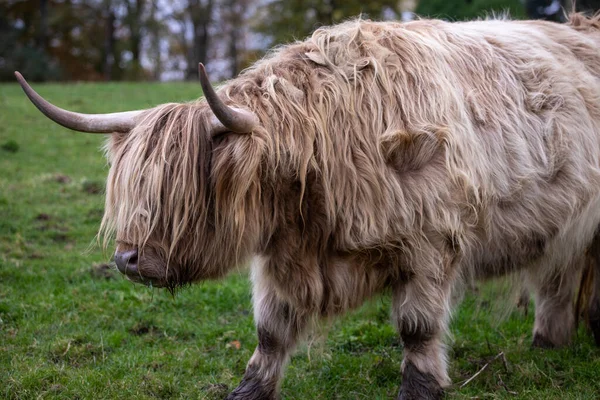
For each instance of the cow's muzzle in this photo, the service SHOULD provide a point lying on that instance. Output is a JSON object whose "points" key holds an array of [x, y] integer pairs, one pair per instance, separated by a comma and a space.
{"points": [[127, 262]]}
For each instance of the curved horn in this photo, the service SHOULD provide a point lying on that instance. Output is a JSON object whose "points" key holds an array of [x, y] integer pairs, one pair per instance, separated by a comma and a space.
{"points": [[236, 120], [92, 123]]}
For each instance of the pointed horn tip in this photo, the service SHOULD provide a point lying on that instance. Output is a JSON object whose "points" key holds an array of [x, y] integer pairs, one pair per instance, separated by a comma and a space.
{"points": [[202, 71], [24, 85], [20, 78]]}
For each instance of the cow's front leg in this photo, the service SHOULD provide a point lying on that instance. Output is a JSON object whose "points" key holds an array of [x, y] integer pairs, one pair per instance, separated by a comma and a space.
{"points": [[421, 310], [278, 326]]}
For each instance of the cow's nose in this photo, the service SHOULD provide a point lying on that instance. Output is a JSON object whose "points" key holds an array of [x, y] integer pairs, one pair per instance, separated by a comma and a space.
{"points": [[127, 261]]}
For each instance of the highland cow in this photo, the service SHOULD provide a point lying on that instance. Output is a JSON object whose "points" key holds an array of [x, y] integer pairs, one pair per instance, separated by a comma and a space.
{"points": [[371, 156]]}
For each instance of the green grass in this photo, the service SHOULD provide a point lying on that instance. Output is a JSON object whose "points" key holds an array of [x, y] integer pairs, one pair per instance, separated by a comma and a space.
{"points": [[70, 328]]}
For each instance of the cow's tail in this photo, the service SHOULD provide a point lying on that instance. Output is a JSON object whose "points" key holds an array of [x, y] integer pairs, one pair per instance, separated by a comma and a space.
{"points": [[587, 305]]}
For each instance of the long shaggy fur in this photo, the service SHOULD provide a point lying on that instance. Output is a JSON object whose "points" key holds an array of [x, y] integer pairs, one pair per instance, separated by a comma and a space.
{"points": [[404, 156]]}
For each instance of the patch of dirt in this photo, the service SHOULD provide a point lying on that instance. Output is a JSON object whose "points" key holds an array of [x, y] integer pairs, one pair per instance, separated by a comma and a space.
{"points": [[35, 256], [155, 366], [42, 217], [143, 328], [60, 178], [45, 222], [92, 187], [59, 237], [103, 271]]}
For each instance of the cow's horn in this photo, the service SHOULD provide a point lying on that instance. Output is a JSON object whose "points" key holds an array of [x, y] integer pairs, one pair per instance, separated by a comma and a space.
{"points": [[92, 123], [236, 120]]}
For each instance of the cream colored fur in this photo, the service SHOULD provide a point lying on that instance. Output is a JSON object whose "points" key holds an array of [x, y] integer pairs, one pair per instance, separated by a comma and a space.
{"points": [[405, 156]]}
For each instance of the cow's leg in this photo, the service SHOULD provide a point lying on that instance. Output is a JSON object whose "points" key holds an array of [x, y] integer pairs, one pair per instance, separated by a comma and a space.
{"points": [[421, 311], [554, 310], [594, 302], [279, 326], [594, 307]]}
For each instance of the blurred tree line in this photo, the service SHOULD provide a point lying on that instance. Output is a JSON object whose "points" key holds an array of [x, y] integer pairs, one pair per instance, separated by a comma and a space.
{"points": [[119, 39], [165, 39]]}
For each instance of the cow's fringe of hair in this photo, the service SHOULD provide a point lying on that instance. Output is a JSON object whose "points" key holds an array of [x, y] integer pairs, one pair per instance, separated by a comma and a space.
{"points": [[166, 189], [162, 149]]}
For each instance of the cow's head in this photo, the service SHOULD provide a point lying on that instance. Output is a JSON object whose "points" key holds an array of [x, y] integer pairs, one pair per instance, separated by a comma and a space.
{"points": [[175, 218]]}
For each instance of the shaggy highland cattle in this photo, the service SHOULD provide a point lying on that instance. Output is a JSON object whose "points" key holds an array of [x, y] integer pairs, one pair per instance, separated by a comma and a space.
{"points": [[371, 156]]}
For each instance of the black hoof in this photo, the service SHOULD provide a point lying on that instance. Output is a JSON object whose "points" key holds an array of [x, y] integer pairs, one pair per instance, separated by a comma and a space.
{"points": [[417, 385], [251, 391], [253, 388], [595, 327], [541, 342], [594, 317]]}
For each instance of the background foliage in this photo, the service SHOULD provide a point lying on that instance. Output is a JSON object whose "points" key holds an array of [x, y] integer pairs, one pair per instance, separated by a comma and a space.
{"points": [[165, 39], [464, 10]]}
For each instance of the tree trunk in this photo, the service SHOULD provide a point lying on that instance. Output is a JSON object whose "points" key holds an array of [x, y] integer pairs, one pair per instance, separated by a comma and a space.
{"points": [[136, 34], [109, 44], [134, 22], [234, 20], [154, 29], [43, 33], [201, 17]]}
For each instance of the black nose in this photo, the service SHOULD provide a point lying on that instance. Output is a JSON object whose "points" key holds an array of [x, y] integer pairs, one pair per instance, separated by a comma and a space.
{"points": [[127, 261]]}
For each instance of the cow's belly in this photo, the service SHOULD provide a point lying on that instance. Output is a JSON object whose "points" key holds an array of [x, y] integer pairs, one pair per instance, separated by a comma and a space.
{"points": [[543, 247]]}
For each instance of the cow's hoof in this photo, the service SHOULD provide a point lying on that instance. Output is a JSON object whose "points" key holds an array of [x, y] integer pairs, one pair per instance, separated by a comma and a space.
{"points": [[594, 318], [541, 342], [252, 388], [250, 392], [595, 327], [417, 385]]}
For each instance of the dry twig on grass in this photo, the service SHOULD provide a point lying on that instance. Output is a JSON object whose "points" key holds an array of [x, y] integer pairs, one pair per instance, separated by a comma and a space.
{"points": [[501, 354]]}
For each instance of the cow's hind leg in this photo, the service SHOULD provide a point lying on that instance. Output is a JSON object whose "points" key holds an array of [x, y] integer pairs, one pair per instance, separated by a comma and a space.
{"points": [[278, 327], [554, 309], [594, 310], [421, 310], [594, 301]]}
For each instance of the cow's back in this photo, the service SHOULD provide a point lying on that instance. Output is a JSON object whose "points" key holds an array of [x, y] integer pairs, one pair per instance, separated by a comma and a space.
{"points": [[488, 132]]}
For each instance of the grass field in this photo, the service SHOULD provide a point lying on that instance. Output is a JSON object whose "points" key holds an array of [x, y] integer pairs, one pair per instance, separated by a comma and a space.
{"points": [[72, 328]]}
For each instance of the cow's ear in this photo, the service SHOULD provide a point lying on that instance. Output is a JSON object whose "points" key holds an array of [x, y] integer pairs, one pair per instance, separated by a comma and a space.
{"points": [[411, 150], [316, 57]]}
